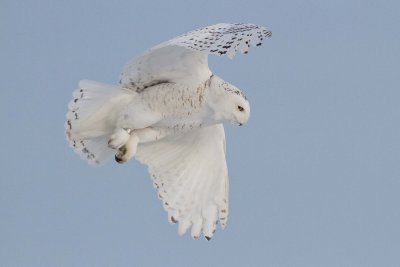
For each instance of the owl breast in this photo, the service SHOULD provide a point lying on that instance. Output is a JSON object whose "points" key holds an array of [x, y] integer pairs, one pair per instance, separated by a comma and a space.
{"points": [[180, 107]]}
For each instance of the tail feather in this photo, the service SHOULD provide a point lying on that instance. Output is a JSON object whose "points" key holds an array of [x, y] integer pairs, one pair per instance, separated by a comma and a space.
{"points": [[91, 118], [94, 150]]}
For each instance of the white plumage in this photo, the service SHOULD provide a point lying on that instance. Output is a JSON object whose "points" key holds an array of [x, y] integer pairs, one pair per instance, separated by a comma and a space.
{"points": [[168, 112]]}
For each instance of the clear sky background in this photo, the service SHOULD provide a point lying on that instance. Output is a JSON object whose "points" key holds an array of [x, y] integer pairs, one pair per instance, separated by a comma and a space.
{"points": [[314, 175]]}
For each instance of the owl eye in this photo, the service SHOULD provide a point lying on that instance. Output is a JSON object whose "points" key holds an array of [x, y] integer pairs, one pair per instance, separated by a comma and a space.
{"points": [[240, 108]]}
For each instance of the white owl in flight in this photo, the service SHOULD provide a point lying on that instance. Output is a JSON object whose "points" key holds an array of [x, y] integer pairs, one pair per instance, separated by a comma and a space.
{"points": [[167, 112]]}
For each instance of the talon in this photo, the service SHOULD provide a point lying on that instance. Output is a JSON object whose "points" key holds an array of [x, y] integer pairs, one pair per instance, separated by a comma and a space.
{"points": [[120, 157], [128, 150], [208, 238], [119, 160]]}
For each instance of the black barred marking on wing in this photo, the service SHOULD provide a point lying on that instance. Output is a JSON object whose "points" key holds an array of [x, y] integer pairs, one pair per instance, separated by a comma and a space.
{"points": [[168, 61], [89, 155], [152, 83], [224, 39], [81, 148], [72, 117], [74, 106], [69, 124]]}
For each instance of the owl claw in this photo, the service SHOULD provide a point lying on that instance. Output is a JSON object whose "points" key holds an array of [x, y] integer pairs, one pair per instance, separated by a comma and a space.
{"points": [[128, 150], [124, 154], [119, 138], [119, 160]]}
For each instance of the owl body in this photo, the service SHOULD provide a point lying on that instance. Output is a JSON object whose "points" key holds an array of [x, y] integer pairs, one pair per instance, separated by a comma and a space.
{"points": [[167, 113], [172, 106]]}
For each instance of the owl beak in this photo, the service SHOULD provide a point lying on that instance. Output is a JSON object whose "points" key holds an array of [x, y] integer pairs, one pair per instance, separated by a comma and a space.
{"points": [[237, 122]]}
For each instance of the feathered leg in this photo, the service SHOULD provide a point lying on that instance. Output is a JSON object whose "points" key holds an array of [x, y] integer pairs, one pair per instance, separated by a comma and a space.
{"points": [[128, 150], [125, 141]]}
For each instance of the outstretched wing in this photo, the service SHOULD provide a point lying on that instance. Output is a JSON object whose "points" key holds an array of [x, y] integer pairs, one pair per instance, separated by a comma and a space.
{"points": [[184, 59], [191, 176]]}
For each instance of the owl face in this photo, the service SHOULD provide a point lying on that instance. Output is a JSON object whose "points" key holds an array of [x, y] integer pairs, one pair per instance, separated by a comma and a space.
{"points": [[228, 102], [240, 110]]}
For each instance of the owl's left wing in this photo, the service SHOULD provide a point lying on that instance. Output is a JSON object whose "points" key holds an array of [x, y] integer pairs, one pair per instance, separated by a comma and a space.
{"points": [[184, 59], [190, 173]]}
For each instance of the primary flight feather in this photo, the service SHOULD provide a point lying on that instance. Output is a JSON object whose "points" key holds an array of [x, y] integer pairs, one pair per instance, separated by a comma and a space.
{"points": [[167, 112]]}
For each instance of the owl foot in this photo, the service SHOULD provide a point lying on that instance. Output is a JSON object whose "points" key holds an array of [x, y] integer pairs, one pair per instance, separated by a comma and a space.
{"points": [[119, 138], [128, 150]]}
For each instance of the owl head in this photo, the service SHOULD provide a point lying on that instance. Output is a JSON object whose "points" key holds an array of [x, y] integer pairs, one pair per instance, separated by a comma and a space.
{"points": [[227, 102]]}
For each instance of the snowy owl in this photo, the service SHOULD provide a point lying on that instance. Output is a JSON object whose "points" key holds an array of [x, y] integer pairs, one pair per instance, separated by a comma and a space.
{"points": [[167, 112]]}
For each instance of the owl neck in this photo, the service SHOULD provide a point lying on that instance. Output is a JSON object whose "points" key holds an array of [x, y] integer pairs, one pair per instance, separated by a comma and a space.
{"points": [[216, 97], [216, 89]]}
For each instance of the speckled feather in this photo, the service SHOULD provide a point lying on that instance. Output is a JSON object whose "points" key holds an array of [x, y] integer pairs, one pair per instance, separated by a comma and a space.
{"points": [[87, 125], [168, 95], [190, 174], [184, 59], [223, 38]]}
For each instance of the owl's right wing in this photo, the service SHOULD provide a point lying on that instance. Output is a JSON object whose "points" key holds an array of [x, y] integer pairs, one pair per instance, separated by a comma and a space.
{"points": [[190, 173], [184, 59]]}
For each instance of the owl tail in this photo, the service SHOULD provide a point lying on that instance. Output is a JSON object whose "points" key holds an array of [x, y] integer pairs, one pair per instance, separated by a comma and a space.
{"points": [[91, 118]]}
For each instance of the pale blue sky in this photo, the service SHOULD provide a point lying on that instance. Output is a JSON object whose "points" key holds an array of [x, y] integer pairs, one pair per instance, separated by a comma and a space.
{"points": [[314, 175]]}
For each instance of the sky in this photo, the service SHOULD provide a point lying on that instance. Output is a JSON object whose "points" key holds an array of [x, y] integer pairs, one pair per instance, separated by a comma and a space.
{"points": [[314, 175]]}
